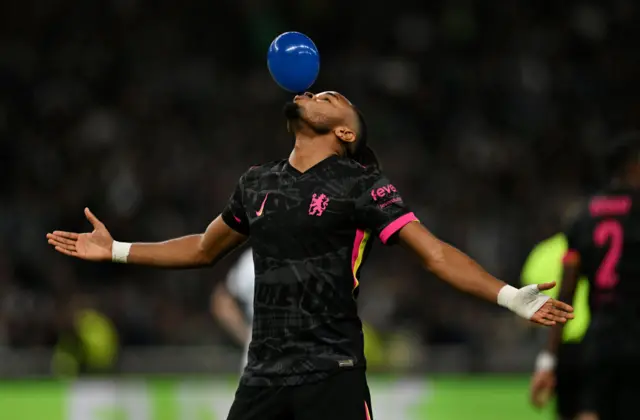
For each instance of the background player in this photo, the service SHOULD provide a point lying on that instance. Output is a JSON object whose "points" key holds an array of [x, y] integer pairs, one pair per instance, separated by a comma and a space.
{"points": [[566, 377], [604, 245], [232, 302], [310, 218]]}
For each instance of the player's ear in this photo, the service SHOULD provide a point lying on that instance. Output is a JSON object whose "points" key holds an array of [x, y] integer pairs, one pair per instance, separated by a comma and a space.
{"points": [[345, 134]]}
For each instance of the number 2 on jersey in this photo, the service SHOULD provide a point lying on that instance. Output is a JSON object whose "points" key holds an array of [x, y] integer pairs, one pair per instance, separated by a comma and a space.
{"points": [[608, 232]]}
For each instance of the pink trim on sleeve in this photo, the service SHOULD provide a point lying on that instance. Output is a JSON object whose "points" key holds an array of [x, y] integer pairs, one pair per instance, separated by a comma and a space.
{"points": [[396, 225]]}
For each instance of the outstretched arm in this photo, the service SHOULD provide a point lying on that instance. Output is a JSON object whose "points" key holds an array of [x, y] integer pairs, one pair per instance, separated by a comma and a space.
{"points": [[189, 251], [450, 264], [462, 272], [185, 252]]}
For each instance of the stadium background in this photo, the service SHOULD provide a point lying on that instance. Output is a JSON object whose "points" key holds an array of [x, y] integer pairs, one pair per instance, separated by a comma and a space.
{"points": [[489, 116]]}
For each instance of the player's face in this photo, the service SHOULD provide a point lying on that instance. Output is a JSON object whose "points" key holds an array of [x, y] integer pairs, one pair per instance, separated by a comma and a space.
{"points": [[325, 112]]}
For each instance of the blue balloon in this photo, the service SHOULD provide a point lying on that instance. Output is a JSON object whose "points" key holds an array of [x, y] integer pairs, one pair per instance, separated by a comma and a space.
{"points": [[293, 61]]}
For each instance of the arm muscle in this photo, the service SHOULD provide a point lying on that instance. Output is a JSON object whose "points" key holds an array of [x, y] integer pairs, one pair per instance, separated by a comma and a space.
{"points": [[450, 264], [189, 251]]}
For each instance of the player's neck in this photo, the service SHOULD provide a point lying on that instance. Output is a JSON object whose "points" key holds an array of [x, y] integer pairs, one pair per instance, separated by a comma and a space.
{"points": [[309, 151]]}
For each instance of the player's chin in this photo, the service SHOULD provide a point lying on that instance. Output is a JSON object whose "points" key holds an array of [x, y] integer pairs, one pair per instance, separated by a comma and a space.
{"points": [[292, 111]]}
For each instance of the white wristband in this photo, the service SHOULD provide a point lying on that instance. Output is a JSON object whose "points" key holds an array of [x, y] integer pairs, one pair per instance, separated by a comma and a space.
{"points": [[120, 252], [545, 362], [506, 296]]}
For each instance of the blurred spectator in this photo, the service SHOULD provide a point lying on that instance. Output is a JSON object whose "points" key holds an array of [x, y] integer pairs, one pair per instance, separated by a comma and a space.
{"points": [[87, 341]]}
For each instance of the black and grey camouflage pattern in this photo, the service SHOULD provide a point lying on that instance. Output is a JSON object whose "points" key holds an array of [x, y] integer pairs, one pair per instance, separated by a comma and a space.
{"points": [[306, 321]]}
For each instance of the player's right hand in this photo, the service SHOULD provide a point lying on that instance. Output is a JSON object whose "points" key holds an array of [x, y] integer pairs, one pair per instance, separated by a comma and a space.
{"points": [[94, 246], [543, 385]]}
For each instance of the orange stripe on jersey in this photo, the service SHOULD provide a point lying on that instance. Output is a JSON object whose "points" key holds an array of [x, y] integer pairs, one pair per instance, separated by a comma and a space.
{"points": [[572, 257], [357, 254], [366, 411]]}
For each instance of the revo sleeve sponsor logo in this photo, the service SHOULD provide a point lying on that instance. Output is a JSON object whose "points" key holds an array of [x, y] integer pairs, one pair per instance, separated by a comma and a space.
{"points": [[379, 193]]}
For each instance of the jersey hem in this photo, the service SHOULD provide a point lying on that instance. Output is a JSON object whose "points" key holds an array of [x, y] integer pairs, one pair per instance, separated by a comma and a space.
{"points": [[294, 380]]}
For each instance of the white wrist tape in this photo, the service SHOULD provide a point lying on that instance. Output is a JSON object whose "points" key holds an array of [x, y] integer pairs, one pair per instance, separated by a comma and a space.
{"points": [[120, 252], [545, 362], [524, 301], [506, 296]]}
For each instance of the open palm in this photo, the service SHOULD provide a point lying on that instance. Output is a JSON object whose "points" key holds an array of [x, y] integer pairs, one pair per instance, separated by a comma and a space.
{"points": [[553, 311], [94, 246]]}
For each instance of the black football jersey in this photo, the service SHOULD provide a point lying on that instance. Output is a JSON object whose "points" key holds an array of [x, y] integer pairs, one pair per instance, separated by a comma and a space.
{"points": [[311, 233], [606, 236]]}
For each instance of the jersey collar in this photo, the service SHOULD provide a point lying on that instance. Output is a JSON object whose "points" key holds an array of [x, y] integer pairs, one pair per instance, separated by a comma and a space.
{"points": [[293, 171]]}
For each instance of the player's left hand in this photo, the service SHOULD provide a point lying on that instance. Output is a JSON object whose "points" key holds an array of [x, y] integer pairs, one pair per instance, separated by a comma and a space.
{"points": [[530, 303], [552, 311]]}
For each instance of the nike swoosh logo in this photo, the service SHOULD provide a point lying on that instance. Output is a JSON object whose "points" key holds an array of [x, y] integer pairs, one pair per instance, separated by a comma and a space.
{"points": [[259, 212]]}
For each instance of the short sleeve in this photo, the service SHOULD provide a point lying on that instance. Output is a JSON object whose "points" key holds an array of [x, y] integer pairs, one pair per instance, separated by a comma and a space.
{"points": [[380, 208], [572, 256], [234, 214], [574, 233]]}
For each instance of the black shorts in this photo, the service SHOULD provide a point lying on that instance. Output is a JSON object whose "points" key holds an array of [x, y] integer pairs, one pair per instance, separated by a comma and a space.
{"points": [[613, 382], [570, 377], [616, 395], [343, 396]]}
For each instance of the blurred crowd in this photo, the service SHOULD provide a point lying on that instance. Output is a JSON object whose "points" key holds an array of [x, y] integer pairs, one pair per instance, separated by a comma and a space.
{"points": [[489, 117]]}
